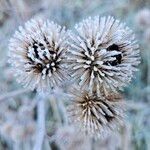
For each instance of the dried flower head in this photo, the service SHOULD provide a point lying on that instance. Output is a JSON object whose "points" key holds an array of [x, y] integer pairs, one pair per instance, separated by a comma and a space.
{"points": [[103, 54], [37, 54], [95, 115]]}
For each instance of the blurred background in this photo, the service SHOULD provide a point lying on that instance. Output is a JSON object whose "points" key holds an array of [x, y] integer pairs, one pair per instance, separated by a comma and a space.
{"points": [[18, 110]]}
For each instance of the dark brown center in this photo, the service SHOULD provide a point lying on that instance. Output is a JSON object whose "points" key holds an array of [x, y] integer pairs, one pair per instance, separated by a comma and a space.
{"points": [[118, 57]]}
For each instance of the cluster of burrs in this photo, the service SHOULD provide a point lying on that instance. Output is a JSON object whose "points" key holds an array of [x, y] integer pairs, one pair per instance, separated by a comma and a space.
{"points": [[100, 58]]}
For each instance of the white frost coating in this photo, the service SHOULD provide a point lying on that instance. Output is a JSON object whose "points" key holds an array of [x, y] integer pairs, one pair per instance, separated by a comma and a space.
{"points": [[37, 54], [94, 115], [106, 50]]}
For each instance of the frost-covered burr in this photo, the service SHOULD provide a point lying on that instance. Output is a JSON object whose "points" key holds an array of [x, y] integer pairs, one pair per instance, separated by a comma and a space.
{"points": [[95, 115], [103, 54], [37, 54]]}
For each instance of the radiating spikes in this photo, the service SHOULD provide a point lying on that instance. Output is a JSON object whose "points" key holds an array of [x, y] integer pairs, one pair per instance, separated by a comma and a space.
{"points": [[42, 46], [96, 113], [106, 47]]}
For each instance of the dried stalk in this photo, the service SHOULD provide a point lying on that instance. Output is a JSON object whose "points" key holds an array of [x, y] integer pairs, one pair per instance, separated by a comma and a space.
{"points": [[55, 109], [40, 123], [63, 113]]}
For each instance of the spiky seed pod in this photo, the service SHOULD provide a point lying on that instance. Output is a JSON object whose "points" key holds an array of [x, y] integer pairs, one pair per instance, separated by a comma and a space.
{"points": [[103, 54], [95, 115], [37, 54]]}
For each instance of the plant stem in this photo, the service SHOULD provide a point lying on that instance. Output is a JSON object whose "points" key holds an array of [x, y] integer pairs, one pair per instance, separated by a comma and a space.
{"points": [[62, 109], [40, 123]]}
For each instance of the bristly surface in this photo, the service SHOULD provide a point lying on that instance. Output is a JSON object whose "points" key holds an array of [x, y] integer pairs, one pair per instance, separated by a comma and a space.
{"points": [[95, 115], [103, 54], [37, 54]]}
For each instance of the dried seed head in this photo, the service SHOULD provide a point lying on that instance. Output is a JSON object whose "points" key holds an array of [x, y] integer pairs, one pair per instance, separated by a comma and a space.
{"points": [[37, 54], [103, 54], [95, 115]]}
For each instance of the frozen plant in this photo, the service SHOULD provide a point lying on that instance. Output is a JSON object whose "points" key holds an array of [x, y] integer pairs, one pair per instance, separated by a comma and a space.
{"points": [[95, 115], [101, 57], [103, 54], [37, 54]]}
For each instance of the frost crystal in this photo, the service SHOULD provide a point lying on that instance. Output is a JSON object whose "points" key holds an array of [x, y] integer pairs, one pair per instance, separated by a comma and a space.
{"points": [[37, 54], [103, 54], [95, 115]]}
